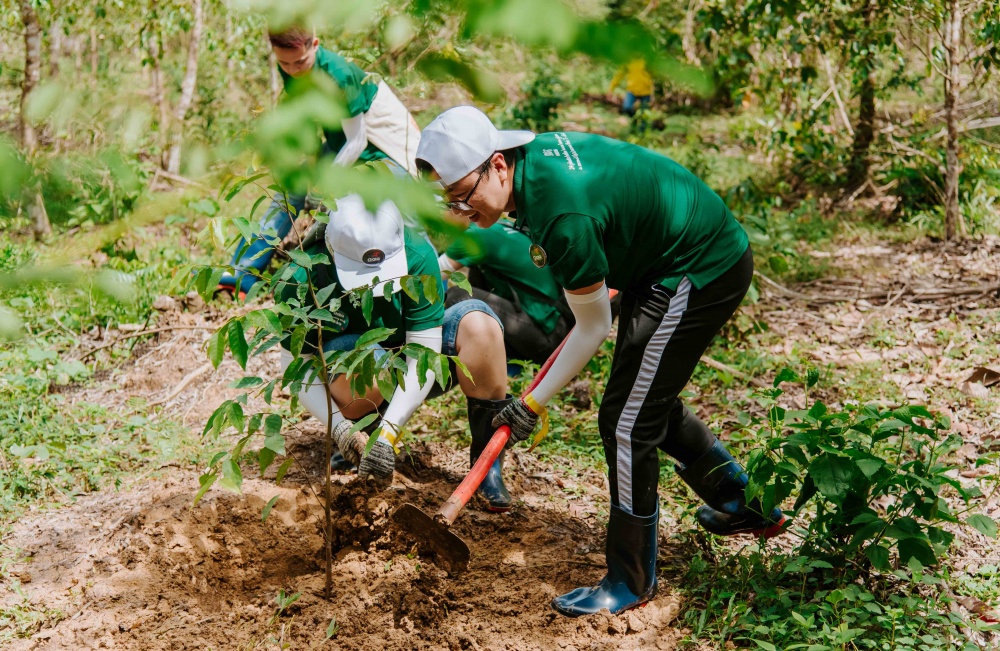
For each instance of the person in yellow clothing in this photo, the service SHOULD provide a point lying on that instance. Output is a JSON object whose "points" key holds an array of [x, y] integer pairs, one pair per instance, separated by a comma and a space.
{"points": [[638, 85]]}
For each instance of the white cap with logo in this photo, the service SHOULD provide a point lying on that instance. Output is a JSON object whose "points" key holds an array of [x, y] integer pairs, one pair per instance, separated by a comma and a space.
{"points": [[366, 244], [461, 139]]}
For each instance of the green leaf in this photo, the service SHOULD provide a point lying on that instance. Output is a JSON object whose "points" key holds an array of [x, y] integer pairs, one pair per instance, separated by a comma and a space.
{"points": [[459, 280], [767, 646], [386, 387], [431, 284], [206, 482], [298, 339], [411, 286], [323, 295], [238, 342], [267, 508], [786, 375], [272, 434], [234, 415], [301, 258], [870, 466], [364, 422], [217, 345], [982, 524], [232, 476], [878, 555], [915, 549], [375, 335], [265, 458], [283, 469], [248, 382], [367, 303], [833, 475]]}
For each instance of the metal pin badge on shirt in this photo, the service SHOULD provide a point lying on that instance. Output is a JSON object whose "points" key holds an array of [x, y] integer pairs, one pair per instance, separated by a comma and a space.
{"points": [[538, 255]]}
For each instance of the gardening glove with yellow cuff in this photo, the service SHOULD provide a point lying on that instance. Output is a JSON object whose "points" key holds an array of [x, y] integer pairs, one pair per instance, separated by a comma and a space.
{"points": [[522, 417], [380, 462]]}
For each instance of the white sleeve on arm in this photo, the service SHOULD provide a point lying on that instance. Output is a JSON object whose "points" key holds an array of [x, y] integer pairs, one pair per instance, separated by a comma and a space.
{"points": [[357, 139], [593, 323], [406, 401]]}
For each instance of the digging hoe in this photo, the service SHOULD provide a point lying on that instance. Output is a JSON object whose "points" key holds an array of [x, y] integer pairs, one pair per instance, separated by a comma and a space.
{"points": [[451, 551]]}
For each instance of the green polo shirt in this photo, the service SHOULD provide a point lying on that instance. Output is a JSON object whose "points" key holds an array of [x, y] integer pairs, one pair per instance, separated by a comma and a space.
{"points": [[401, 312], [601, 208], [501, 254], [359, 92]]}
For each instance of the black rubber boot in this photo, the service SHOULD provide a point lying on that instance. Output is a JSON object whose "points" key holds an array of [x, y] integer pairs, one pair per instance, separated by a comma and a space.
{"points": [[481, 413], [631, 577], [719, 480]]}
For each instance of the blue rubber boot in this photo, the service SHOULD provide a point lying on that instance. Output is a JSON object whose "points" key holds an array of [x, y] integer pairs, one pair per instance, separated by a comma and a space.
{"points": [[481, 413], [720, 481], [249, 264], [631, 577]]}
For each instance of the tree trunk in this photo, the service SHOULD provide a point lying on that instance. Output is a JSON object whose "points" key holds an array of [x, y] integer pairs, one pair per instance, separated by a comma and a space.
{"points": [[864, 133], [94, 56], [35, 207], [55, 47], [155, 49], [275, 77], [32, 72], [953, 224], [689, 41], [187, 90]]}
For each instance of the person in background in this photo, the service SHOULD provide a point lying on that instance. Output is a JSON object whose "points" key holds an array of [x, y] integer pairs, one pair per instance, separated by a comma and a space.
{"points": [[378, 127], [638, 86]]}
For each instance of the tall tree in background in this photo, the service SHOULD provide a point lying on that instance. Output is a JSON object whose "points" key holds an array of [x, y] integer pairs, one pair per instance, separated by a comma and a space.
{"points": [[33, 202], [187, 88], [961, 48]]}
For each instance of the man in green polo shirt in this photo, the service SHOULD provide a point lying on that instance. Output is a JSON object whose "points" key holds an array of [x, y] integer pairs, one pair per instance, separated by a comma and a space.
{"points": [[378, 127], [603, 213], [363, 245], [527, 298]]}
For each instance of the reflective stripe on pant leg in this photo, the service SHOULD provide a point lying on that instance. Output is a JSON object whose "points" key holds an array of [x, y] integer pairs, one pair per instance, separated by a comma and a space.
{"points": [[647, 372]]}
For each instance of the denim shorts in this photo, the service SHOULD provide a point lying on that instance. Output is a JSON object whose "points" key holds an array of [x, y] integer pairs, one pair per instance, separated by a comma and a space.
{"points": [[452, 317]]}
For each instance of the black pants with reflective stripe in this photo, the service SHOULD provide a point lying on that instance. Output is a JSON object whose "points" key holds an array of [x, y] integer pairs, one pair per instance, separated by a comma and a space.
{"points": [[661, 337]]}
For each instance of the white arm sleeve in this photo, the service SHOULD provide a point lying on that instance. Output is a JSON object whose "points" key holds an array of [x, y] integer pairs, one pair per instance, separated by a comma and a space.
{"points": [[313, 397], [405, 402], [593, 323], [357, 139]]}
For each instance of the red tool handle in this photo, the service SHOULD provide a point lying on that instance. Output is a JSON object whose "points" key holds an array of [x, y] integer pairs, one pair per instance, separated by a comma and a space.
{"points": [[450, 509]]}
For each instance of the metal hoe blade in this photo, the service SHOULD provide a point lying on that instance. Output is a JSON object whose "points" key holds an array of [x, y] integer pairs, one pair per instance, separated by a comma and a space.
{"points": [[451, 551]]}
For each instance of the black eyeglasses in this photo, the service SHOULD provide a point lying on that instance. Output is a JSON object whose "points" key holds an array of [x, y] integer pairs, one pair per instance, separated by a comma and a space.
{"points": [[463, 205]]}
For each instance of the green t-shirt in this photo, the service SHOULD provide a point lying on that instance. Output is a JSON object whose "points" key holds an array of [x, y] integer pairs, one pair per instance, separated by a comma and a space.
{"points": [[358, 90], [600, 208], [501, 253], [401, 312]]}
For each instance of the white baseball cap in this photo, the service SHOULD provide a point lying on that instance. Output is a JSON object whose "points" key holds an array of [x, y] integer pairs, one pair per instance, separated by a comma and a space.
{"points": [[366, 244], [461, 139]]}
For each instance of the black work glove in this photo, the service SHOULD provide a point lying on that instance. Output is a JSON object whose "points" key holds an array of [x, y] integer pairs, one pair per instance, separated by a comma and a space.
{"points": [[521, 419]]}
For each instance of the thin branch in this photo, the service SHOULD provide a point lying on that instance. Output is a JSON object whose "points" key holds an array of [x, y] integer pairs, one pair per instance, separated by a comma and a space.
{"points": [[143, 333]]}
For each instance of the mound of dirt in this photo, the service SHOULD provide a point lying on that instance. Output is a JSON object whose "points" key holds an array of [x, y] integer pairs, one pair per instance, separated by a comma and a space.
{"points": [[144, 569]]}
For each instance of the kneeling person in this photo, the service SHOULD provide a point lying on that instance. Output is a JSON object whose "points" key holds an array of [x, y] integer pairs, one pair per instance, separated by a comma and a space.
{"points": [[364, 245]]}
